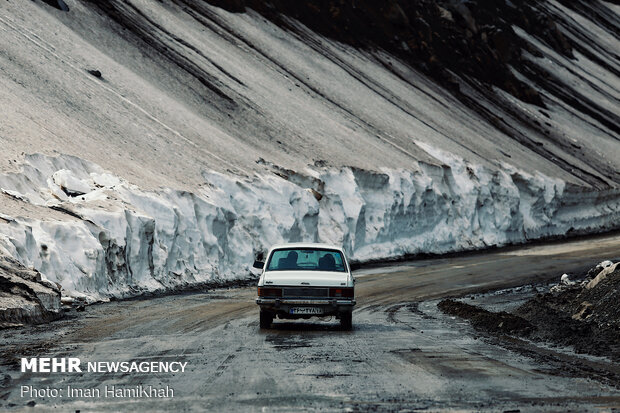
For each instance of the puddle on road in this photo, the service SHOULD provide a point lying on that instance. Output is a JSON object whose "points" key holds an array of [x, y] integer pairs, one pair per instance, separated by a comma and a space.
{"points": [[287, 341]]}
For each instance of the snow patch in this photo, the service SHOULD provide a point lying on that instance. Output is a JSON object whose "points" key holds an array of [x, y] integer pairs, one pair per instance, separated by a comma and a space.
{"points": [[70, 185]]}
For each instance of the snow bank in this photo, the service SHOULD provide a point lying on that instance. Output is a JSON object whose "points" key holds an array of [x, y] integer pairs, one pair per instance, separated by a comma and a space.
{"points": [[127, 240]]}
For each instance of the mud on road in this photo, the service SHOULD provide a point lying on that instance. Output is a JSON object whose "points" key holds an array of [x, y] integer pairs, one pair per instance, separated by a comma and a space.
{"points": [[402, 354]]}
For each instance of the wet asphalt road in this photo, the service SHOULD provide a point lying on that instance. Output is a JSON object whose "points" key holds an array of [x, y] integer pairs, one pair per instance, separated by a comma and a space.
{"points": [[402, 354]]}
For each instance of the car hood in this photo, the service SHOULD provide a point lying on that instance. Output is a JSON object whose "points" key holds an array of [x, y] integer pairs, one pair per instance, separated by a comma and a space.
{"points": [[309, 278]]}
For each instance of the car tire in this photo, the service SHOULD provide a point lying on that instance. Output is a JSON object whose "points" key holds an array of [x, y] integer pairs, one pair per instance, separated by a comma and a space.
{"points": [[265, 319], [346, 321]]}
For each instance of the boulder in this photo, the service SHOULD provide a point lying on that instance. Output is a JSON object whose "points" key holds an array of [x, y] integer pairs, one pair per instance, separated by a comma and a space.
{"points": [[602, 275], [25, 296]]}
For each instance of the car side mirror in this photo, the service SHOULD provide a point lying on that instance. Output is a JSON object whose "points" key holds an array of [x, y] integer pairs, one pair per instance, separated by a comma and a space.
{"points": [[259, 264]]}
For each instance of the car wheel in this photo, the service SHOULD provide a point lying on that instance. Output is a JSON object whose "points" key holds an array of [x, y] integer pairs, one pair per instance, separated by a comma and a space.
{"points": [[346, 321], [265, 319]]}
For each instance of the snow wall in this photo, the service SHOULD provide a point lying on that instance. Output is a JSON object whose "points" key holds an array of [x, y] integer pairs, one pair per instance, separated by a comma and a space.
{"points": [[120, 240]]}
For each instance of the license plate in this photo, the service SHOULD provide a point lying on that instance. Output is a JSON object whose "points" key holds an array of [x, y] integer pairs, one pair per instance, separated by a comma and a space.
{"points": [[306, 310]]}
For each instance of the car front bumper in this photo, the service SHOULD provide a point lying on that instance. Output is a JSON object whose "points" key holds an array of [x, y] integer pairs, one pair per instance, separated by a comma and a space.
{"points": [[305, 302], [282, 306]]}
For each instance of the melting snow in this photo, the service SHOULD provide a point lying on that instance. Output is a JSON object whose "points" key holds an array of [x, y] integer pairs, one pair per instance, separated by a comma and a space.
{"points": [[130, 240]]}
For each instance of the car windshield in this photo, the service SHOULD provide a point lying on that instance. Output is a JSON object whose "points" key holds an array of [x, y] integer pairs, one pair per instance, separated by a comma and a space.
{"points": [[291, 259]]}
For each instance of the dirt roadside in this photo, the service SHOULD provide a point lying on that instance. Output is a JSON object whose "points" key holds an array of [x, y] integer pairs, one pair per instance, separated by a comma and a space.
{"points": [[582, 313]]}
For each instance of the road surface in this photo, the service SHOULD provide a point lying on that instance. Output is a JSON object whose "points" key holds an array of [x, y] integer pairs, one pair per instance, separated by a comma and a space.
{"points": [[402, 354]]}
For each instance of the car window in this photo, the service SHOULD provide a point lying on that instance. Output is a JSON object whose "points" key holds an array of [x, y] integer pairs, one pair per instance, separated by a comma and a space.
{"points": [[291, 259]]}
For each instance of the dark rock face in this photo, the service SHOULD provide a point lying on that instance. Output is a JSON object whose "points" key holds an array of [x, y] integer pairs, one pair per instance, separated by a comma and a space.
{"points": [[469, 38], [24, 297], [235, 6], [59, 4]]}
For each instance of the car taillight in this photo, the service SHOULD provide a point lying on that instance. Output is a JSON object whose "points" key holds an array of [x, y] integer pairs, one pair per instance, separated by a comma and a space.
{"points": [[269, 292], [341, 292]]}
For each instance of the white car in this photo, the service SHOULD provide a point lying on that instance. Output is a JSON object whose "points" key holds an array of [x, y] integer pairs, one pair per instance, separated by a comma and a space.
{"points": [[303, 281]]}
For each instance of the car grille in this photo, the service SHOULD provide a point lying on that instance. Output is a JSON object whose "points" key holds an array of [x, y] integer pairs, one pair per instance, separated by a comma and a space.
{"points": [[305, 292]]}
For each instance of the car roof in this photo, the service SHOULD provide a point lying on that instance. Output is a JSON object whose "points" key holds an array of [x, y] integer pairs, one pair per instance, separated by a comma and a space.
{"points": [[308, 245]]}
